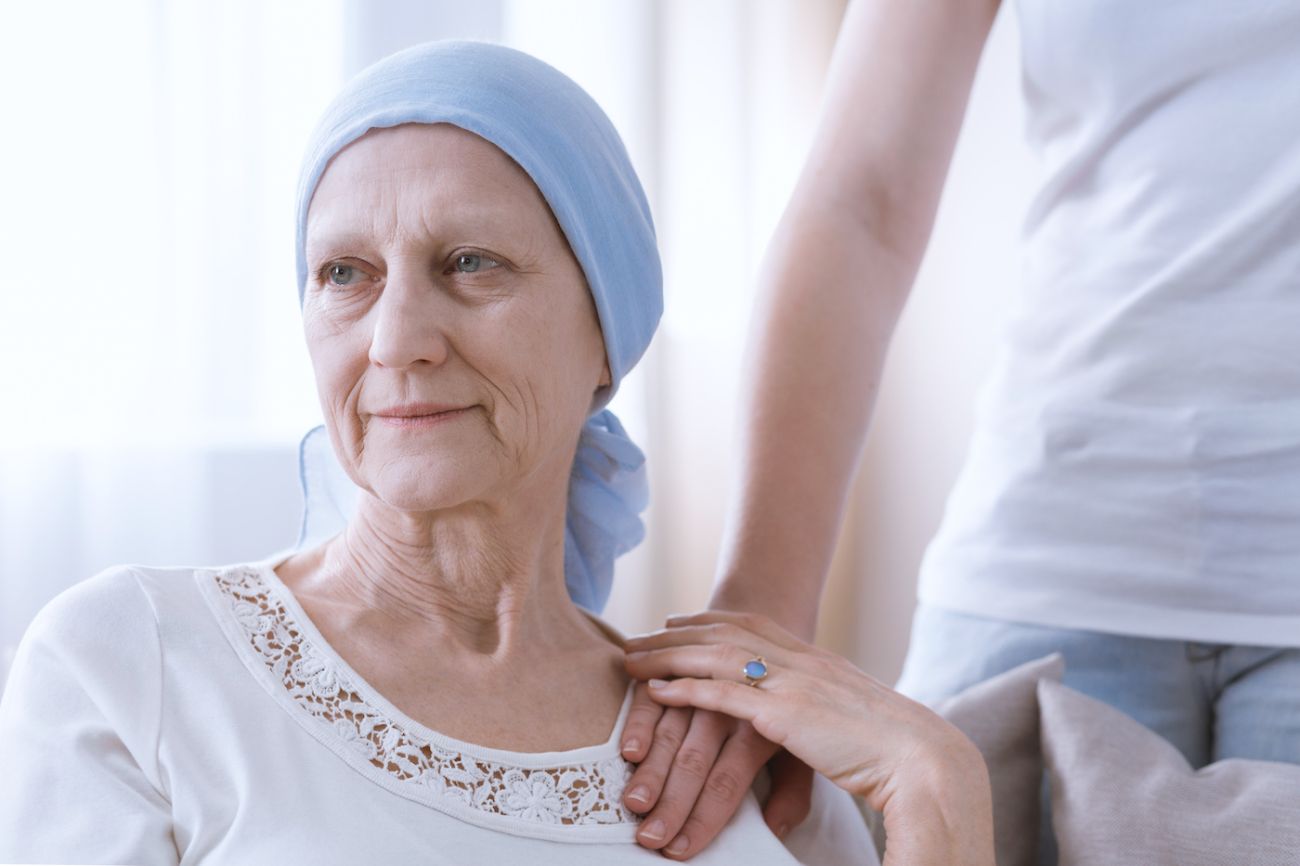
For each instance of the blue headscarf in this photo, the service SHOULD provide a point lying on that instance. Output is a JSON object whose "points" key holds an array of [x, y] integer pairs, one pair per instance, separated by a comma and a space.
{"points": [[557, 133]]}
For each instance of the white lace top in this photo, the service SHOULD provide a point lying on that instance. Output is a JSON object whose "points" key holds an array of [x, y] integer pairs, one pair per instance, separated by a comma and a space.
{"points": [[529, 793], [190, 715]]}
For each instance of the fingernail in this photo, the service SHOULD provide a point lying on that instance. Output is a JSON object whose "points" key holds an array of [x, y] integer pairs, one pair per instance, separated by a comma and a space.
{"points": [[639, 794], [654, 831], [658, 684], [679, 845], [632, 746], [780, 833]]}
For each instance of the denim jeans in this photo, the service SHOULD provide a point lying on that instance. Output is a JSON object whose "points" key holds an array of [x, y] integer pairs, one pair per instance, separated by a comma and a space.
{"points": [[1212, 701]]}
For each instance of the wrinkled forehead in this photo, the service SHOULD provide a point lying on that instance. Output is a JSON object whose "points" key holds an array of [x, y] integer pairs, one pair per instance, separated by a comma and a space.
{"points": [[431, 174]]}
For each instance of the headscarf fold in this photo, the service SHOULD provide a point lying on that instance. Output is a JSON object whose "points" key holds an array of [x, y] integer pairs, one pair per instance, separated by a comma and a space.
{"points": [[560, 137]]}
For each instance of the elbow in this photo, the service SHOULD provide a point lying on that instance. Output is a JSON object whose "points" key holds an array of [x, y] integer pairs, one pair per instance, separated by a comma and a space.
{"points": [[893, 218]]}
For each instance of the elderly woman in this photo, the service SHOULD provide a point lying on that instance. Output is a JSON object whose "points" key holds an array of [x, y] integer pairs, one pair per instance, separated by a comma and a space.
{"points": [[477, 272]]}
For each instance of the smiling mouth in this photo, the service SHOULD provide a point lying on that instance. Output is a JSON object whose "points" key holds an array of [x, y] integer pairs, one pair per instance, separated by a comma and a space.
{"points": [[426, 419]]}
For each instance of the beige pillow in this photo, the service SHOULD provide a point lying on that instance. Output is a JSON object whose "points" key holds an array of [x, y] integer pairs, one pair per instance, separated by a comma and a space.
{"points": [[1000, 716], [1121, 794]]}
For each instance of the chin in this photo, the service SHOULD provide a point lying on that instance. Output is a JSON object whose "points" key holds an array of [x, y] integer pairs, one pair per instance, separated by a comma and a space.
{"points": [[424, 484]]}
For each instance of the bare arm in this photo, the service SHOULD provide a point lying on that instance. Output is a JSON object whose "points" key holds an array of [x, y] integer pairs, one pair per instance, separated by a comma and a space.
{"points": [[836, 276], [834, 281]]}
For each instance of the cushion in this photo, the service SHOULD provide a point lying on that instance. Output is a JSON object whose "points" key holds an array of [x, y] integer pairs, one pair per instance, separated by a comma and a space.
{"points": [[1000, 716], [1122, 794]]}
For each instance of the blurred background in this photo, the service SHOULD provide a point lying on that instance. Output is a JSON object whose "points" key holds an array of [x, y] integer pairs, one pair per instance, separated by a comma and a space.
{"points": [[153, 379]]}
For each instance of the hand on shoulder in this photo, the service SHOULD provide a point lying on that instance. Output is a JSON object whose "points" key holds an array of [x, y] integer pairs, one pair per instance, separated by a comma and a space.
{"points": [[903, 759]]}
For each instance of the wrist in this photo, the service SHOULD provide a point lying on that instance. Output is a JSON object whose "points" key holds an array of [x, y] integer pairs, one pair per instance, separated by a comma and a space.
{"points": [[940, 809], [798, 616]]}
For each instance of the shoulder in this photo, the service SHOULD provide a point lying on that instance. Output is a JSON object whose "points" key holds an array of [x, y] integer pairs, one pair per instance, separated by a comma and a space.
{"points": [[108, 605], [98, 653], [119, 595], [99, 639], [114, 620], [89, 668], [835, 831], [81, 728]]}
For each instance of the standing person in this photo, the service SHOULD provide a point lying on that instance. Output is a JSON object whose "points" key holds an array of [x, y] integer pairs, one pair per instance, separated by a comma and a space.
{"points": [[1131, 496]]}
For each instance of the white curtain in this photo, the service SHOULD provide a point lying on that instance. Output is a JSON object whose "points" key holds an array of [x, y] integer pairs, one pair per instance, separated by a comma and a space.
{"points": [[154, 377]]}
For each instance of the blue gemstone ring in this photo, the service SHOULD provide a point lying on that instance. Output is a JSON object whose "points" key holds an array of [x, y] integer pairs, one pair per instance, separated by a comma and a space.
{"points": [[755, 669]]}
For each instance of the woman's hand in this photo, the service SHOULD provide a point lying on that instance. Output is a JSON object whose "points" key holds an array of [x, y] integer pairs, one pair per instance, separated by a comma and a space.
{"points": [[695, 767], [905, 761]]}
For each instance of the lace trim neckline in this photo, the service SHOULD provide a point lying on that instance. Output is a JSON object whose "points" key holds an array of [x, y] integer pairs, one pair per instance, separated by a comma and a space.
{"points": [[571, 795]]}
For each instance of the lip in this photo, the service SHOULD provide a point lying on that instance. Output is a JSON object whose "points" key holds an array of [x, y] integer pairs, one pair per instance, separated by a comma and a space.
{"points": [[419, 414]]}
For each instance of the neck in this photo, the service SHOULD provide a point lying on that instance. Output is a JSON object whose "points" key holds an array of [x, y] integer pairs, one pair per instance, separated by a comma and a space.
{"points": [[490, 584]]}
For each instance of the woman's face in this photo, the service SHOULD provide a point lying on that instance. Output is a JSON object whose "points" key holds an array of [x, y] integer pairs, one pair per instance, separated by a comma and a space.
{"points": [[455, 344]]}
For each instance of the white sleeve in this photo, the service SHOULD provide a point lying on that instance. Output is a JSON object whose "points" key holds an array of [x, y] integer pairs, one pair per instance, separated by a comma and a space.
{"points": [[79, 731], [835, 833]]}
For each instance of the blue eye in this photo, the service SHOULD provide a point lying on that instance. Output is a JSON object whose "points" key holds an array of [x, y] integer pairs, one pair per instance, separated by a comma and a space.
{"points": [[339, 274], [468, 263]]}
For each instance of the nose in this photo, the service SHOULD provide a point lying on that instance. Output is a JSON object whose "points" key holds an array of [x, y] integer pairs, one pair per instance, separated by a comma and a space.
{"points": [[410, 322]]}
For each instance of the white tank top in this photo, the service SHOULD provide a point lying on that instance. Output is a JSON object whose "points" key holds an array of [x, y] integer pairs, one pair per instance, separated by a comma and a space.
{"points": [[1135, 466]]}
